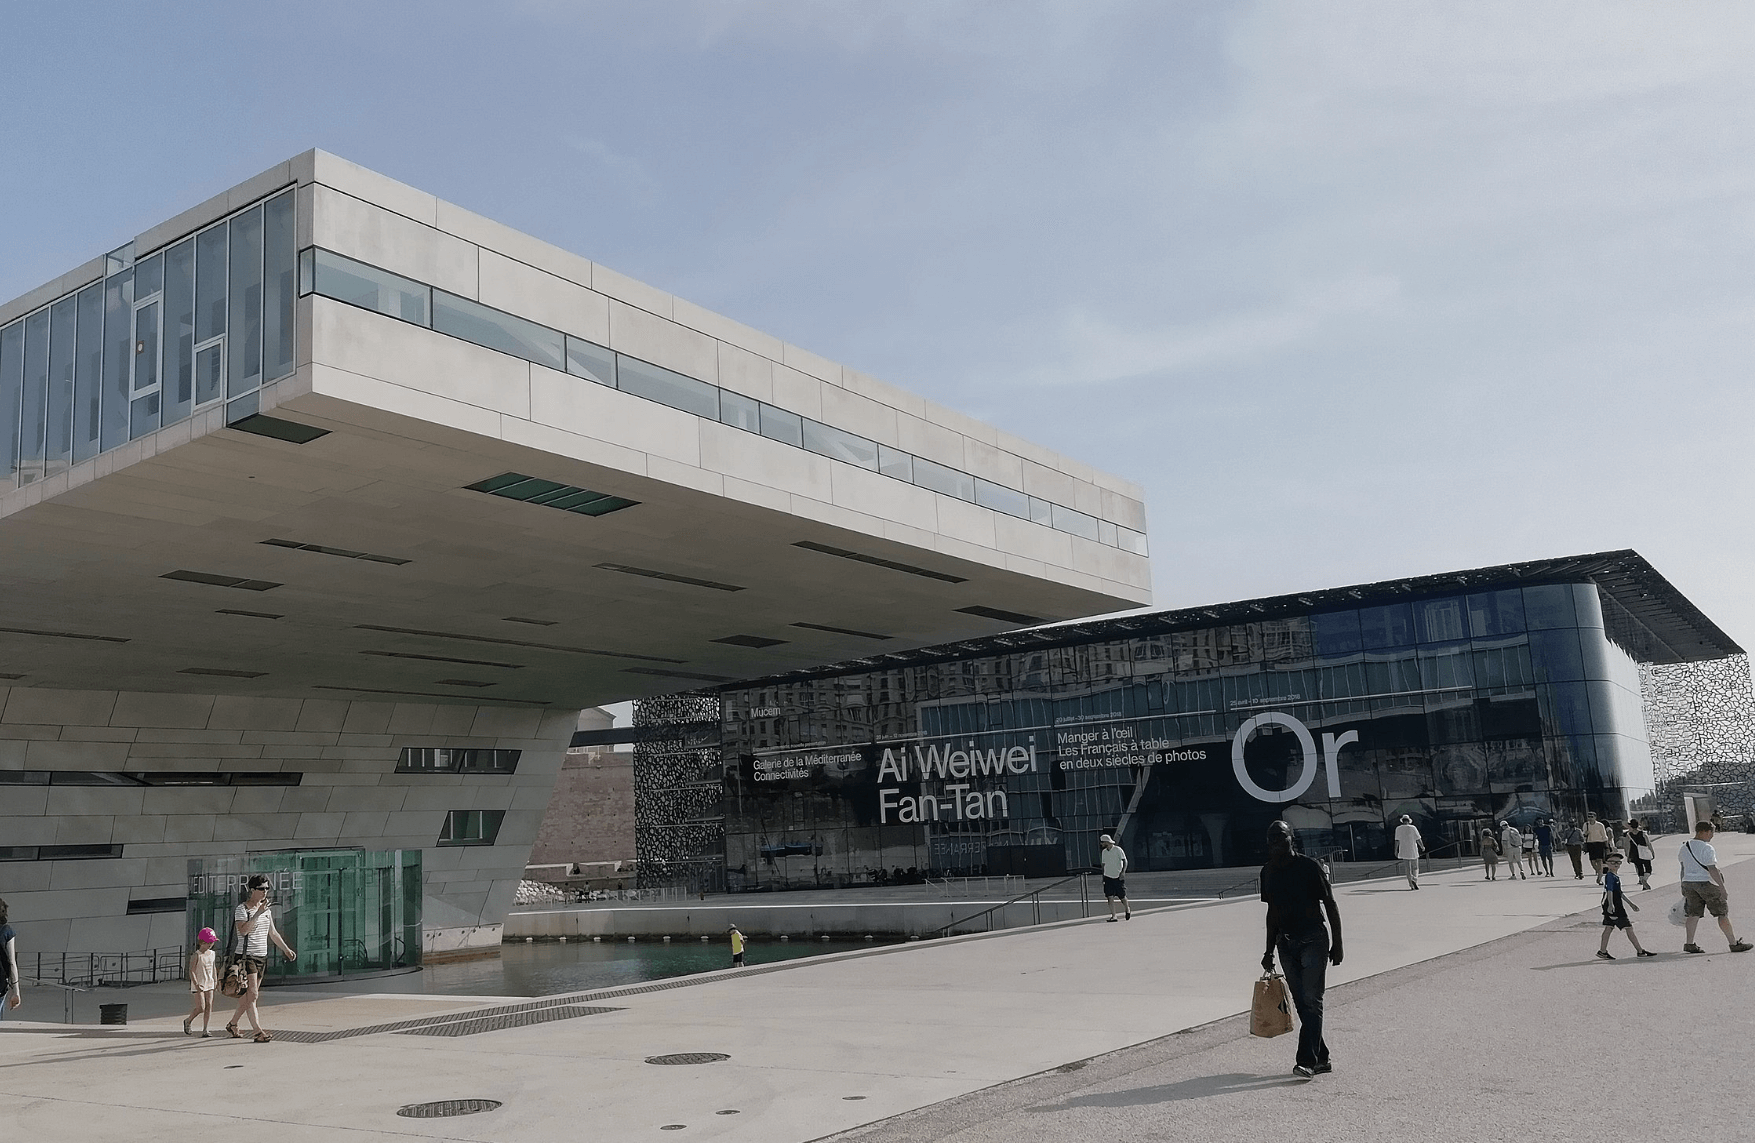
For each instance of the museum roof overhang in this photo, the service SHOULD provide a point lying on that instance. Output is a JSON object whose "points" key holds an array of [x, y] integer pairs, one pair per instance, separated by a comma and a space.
{"points": [[339, 552], [1644, 613]]}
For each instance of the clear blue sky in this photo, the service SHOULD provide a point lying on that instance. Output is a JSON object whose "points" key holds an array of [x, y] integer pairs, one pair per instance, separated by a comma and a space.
{"points": [[1355, 290]]}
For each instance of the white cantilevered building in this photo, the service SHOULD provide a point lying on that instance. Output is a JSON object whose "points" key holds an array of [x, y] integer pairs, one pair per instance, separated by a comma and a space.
{"points": [[326, 505]]}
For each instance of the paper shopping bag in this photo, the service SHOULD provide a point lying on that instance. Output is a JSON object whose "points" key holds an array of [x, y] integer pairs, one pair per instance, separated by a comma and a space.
{"points": [[1271, 1012]]}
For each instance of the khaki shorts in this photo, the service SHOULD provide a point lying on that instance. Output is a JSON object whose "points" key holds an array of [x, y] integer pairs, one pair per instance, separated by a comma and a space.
{"points": [[1698, 897]]}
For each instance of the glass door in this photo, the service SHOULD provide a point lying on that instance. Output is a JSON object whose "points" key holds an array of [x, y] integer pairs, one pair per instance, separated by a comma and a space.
{"points": [[210, 372], [144, 406]]}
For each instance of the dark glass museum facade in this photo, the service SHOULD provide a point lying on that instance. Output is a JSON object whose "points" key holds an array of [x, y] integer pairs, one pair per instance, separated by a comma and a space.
{"points": [[1500, 693]]}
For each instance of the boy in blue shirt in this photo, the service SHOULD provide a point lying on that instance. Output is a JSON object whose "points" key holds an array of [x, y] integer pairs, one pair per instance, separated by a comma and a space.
{"points": [[1615, 908]]}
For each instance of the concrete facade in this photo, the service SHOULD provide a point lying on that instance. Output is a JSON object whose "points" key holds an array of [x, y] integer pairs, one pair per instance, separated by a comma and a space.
{"points": [[206, 563], [590, 815]]}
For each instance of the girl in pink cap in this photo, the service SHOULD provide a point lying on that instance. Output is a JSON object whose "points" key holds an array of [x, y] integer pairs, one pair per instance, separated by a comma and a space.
{"points": [[202, 982]]}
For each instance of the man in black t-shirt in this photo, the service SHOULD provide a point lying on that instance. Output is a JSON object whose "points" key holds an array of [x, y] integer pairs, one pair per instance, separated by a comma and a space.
{"points": [[1297, 894]]}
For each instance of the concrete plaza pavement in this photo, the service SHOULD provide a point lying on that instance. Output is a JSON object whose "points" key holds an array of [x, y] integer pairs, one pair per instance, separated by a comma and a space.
{"points": [[936, 1032]]}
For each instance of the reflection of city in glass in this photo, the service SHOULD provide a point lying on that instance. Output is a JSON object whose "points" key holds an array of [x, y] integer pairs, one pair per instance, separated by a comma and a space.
{"points": [[343, 911], [1456, 709]]}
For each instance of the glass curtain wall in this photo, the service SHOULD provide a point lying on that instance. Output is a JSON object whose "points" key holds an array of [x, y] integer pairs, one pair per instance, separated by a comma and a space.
{"points": [[345, 911], [1459, 711], [148, 345]]}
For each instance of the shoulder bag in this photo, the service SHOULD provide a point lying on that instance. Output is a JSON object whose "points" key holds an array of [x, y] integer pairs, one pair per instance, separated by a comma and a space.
{"points": [[234, 981]]}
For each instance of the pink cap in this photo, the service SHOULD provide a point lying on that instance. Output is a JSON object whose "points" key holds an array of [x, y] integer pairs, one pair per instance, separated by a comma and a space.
{"points": [[207, 935]]}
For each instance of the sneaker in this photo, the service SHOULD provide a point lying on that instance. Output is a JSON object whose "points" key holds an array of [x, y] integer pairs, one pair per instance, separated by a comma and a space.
{"points": [[1301, 1070], [1646, 952], [207, 1035], [1604, 954], [1323, 1068], [1112, 920], [1741, 946], [1127, 916], [1692, 949]]}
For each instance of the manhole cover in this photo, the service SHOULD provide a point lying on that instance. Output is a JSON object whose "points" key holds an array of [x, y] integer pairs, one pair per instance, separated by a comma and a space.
{"points": [[688, 1058], [444, 1108]]}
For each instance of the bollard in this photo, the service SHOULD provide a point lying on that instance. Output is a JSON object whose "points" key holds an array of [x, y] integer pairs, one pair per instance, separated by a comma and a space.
{"points": [[112, 1014], [598, 939], [630, 940], [703, 940], [868, 936], [783, 936], [529, 940], [666, 940]]}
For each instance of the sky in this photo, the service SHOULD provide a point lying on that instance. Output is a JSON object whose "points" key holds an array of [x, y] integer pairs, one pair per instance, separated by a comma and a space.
{"points": [[1354, 290]]}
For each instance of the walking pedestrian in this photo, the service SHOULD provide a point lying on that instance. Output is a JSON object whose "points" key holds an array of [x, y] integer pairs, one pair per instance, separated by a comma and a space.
{"points": [[1114, 883], [1529, 852], [9, 963], [1545, 844], [1703, 888], [1298, 895], [736, 948], [1511, 845], [1409, 845], [202, 981], [254, 922], [1615, 909], [1596, 843], [1573, 840], [1640, 851], [1490, 855]]}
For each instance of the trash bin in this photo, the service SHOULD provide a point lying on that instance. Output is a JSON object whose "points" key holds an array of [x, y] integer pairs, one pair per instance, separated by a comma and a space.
{"points": [[112, 1014]]}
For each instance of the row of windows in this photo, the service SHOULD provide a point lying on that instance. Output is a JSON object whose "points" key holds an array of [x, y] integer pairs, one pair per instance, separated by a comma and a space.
{"points": [[344, 280], [150, 778], [452, 760], [204, 320]]}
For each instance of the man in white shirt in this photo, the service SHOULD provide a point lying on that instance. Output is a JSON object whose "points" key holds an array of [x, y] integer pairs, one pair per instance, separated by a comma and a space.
{"points": [[1596, 843], [1114, 867], [1408, 848], [1511, 841], [1703, 889]]}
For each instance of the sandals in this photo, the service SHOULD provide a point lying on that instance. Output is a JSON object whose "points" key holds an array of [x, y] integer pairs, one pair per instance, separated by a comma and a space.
{"points": [[186, 1024], [233, 1029], [263, 1037]]}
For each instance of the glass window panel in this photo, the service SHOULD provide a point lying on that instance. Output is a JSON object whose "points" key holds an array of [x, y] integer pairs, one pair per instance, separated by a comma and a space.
{"points": [[1041, 512], [1106, 534], [145, 347], [488, 327], [739, 411], [1440, 620], [1587, 605], [209, 373], [277, 287], [667, 388], [1391, 625], [119, 357], [780, 425], [88, 372], [370, 288], [1548, 607], [1131, 541], [210, 264], [63, 354], [592, 362], [179, 332], [11, 389], [1074, 523], [928, 474], [148, 277], [1335, 633], [838, 444], [33, 409], [1556, 655], [1496, 613], [894, 462], [143, 415], [1002, 499], [244, 305]]}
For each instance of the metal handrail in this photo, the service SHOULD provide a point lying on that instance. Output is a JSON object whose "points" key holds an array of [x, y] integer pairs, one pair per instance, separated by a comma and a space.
{"points": [[1254, 881], [1036, 894], [67, 991]]}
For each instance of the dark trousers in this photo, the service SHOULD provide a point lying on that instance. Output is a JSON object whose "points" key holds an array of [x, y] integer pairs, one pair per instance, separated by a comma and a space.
{"points": [[1576, 853], [1304, 960]]}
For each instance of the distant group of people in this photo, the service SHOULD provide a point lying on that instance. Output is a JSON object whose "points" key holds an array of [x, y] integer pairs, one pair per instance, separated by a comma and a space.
{"points": [[1304, 923]]}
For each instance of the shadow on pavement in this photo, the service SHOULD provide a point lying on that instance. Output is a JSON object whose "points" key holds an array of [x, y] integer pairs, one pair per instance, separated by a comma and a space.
{"points": [[1200, 1087]]}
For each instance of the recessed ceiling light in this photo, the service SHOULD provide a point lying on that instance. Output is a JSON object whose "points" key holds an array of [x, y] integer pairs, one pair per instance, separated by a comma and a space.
{"points": [[878, 561], [996, 613], [750, 641], [669, 577], [222, 580]]}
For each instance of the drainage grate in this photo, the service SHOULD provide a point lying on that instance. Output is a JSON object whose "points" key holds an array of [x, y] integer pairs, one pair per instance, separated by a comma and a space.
{"points": [[688, 1058], [507, 1020], [444, 1108]]}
